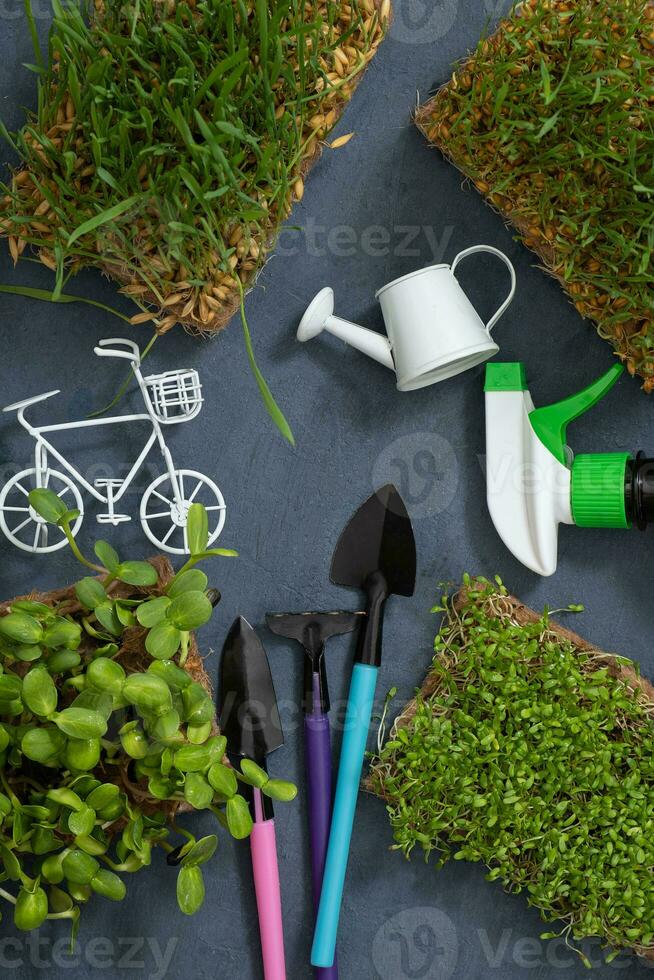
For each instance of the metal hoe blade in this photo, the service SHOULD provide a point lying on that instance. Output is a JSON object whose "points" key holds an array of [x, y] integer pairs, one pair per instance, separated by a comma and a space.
{"points": [[312, 629]]}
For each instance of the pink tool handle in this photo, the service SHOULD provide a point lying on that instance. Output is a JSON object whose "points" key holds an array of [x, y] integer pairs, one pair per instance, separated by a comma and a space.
{"points": [[269, 902]]}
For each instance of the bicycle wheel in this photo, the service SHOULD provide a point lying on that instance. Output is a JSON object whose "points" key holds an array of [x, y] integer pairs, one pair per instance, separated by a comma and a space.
{"points": [[20, 522], [164, 523]]}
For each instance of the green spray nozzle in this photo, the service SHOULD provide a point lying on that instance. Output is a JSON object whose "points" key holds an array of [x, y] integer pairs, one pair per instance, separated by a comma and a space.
{"points": [[551, 422]]}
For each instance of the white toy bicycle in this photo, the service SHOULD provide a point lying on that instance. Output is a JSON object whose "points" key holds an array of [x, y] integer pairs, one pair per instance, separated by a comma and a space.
{"points": [[170, 398]]}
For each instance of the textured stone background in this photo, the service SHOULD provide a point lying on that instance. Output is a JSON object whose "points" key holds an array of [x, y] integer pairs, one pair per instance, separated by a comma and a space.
{"points": [[286, 508]]}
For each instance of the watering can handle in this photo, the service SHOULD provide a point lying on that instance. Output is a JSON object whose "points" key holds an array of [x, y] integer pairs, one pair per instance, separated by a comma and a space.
{"points": [[493, 251]]}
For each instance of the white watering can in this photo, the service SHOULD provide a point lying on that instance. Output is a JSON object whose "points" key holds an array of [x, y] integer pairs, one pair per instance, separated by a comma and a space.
{"points": [[433, 330]]}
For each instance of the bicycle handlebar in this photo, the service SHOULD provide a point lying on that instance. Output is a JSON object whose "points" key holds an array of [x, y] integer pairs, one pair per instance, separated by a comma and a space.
{"points": [[104, 350]]}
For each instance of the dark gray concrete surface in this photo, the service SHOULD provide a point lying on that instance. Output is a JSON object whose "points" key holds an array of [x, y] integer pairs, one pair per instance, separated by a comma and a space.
{"points": [[287, 506]]}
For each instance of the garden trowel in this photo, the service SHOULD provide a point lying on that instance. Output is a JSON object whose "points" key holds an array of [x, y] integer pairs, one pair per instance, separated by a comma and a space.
{"points": [[376, 554], [249, 719], [312, 630]]}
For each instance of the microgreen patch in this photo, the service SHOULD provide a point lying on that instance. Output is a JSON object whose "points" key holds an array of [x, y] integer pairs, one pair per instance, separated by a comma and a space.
{"points": [[104, 734], [535, 756]]}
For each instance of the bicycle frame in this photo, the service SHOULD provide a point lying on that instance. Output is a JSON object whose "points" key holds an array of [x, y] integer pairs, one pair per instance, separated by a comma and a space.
{"points": [[169, 397], [44, 446]]}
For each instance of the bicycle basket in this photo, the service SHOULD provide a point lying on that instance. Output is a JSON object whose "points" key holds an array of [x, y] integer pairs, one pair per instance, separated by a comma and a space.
{"points": [[175, 396]]}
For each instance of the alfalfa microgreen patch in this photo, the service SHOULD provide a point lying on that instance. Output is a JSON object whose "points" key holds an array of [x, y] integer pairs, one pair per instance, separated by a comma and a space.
{"points": [[535, 757]]}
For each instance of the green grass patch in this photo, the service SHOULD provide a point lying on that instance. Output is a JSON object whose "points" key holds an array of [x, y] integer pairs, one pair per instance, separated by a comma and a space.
{"points": [[553, 119], [171, 139]]}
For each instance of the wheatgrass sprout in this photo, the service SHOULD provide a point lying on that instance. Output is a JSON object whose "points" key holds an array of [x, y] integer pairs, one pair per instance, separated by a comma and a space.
{"points": [[552, 117], [171, 139]]}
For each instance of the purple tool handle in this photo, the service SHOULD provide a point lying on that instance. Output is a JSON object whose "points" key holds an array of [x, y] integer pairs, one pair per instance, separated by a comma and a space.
{"points": [[319, 790]]}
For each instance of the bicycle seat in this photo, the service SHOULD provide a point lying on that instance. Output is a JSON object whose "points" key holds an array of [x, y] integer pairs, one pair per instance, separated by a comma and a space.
{"points": [[30, 401]]}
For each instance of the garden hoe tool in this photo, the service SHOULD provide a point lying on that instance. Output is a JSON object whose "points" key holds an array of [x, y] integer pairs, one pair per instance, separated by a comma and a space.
{"points": [[249, 719], [376, 554], [534, 483], [312, 630]]}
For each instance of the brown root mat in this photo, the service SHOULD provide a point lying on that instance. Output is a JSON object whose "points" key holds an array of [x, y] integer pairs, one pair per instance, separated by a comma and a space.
{"points": [[552, 119], [528, 749], [172, 139]]}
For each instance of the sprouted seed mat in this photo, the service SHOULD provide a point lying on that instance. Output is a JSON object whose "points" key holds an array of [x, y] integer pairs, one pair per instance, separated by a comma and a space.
{"points": [[171, 139], [532, 752], [552, 117]]}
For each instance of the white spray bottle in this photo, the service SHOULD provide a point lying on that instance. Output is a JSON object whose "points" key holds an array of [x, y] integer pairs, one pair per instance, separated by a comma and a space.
{"points": [[533, 481]]}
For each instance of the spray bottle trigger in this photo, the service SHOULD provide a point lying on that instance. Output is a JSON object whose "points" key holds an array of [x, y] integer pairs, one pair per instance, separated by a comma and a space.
{"points": [[551, 422]]}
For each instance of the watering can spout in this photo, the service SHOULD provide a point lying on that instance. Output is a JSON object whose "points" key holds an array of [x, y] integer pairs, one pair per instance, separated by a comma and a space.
{"points": [[320, 316], [367, 341]]}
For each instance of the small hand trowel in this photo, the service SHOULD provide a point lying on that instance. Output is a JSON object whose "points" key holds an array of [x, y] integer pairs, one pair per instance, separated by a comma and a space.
{"points": [[249, 719], [312, 630], [377, 554]]}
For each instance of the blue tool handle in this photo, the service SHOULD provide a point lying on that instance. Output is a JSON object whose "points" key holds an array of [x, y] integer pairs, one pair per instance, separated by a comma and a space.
{"points": [[357, 726]]}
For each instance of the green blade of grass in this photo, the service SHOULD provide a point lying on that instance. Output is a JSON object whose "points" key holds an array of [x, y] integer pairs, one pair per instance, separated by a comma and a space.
{"points": [[7, 137], [31, 24], [103, 218], [46, 296], [125, 385], [272, 407]]}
